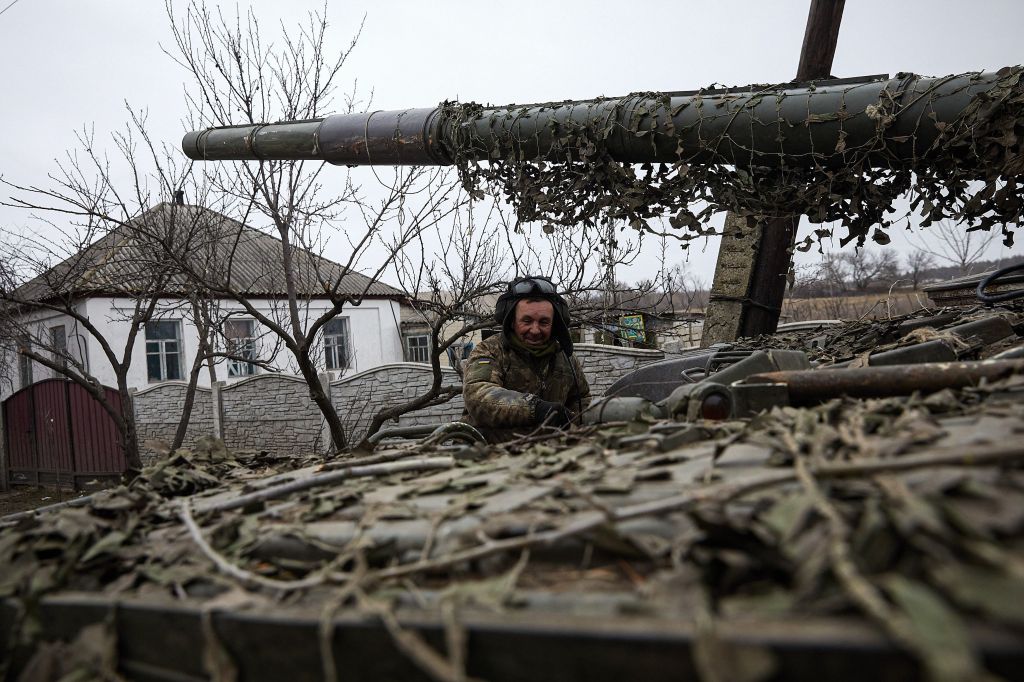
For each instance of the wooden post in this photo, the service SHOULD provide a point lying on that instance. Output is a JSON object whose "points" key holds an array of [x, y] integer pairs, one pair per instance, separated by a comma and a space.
{"points": [[820, 39], [754, 260]]}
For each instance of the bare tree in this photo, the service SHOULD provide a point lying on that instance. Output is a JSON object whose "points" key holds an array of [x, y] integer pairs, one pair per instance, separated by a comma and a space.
{"points": [[955, 245], [686, 291], [806, 281], [672, 302], [826, 280], [234, 72], [918, 262], [49, 274], [865, 268], [833, 273], [238, 76]]}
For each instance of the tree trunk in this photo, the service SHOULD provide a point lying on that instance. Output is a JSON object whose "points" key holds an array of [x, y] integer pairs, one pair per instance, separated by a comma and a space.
{"points": [[339, 443], [190, 399], [193, 377], [129, 431]]}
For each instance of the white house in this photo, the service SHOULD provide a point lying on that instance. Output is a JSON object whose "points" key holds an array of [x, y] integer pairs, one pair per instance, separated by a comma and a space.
{"points": [[101, 284]]}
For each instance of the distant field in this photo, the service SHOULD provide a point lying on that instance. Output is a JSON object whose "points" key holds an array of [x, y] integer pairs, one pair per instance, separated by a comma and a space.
{"points": [[871, 306]]}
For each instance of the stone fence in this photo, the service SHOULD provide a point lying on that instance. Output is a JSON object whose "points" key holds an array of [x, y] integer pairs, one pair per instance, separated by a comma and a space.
{"points": [[359, 397], [271, 412], [158, 411], [274, 412], [604, 365]]}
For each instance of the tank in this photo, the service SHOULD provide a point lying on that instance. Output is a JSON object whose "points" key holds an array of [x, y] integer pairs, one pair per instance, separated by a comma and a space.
{"points": [[851, 539], [647, 549], [764, 125]]}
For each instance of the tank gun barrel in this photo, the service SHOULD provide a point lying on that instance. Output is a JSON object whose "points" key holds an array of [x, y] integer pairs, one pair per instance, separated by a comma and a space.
{"points": [[791, 124]]}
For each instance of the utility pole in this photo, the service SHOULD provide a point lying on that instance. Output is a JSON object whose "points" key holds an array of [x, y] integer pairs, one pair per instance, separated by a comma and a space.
{"points": [[754, 260]]}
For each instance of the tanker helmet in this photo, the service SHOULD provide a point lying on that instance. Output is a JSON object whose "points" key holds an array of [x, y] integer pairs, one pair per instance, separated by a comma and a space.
{"points": [[540, 288]]}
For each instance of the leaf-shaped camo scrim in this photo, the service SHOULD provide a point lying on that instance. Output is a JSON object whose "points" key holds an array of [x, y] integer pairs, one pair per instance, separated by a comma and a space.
{"points": [[911, 525], [566, 174]]}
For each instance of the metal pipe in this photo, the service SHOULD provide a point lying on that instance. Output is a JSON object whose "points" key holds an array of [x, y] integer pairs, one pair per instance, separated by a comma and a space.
{"points": [[986, 331], [414, 431], [809, 387], [792, 124], [938, 350]]}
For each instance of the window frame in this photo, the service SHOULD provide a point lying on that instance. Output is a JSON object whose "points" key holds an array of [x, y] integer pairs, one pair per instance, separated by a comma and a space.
{"points": [[247, 348], [59, 350], [333, 360], [25, 374], [413, 352], [161, 351]]}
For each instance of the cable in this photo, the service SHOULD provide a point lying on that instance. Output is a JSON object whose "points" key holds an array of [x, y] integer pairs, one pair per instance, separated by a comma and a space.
{"points": [[991, 279], [13, 3]]}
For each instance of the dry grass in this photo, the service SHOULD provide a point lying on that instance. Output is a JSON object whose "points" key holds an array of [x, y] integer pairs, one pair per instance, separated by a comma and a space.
{"points": [[868, 306]]}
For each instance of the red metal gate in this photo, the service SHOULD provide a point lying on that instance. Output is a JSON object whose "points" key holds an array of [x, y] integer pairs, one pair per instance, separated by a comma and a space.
{"points": [[57, 433]]}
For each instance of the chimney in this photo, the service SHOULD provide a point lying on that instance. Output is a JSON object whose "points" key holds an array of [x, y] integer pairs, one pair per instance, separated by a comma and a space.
{"points": [[179, 197]]}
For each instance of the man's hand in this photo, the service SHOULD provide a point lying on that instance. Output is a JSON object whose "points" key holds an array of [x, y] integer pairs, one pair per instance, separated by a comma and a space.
{"points": [[550, 413]]}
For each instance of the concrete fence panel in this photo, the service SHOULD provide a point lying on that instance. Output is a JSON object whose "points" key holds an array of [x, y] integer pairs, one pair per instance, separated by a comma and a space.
{"points": [[158, 411], [604, 365], [361, 396], [272, 412]]}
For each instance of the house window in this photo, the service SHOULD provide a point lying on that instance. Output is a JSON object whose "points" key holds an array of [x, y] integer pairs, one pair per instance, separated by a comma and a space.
{"points": [[417, 348], [59, 345], [24, 361], [338, 344], [163, 350], [241, 338]]}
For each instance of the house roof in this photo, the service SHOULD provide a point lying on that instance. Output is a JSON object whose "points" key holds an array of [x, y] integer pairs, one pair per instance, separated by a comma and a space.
{"points": [[131, 259]]}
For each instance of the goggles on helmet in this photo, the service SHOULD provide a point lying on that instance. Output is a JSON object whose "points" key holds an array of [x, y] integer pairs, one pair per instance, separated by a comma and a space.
{"points": [[532, 285]]}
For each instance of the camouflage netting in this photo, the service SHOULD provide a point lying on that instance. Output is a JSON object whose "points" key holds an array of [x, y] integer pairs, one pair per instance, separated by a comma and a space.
{"points": [[906, 512], [969, 172], [854, 340]]}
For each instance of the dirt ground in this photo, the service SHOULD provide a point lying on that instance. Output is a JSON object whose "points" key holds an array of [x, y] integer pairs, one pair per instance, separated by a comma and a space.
{"points": [[20, 498]]}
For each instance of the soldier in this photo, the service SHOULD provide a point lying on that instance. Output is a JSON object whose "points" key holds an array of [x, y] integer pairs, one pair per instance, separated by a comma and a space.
{"points": [[525, 376]]}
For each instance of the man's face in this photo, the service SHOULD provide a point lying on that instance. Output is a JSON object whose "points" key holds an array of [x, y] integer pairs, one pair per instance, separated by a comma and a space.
{"points": [[533, 322]]}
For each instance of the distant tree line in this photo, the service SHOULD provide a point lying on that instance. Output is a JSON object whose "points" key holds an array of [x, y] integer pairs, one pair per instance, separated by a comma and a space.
{"points": [[948, 252], [864, 272]]}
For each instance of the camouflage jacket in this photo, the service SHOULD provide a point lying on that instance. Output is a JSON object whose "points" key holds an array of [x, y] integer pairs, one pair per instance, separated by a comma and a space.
{"points": [[502, 385]]}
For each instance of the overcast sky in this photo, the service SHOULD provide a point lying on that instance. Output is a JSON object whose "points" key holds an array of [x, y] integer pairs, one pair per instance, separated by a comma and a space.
{"points": [[74, 63]]}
